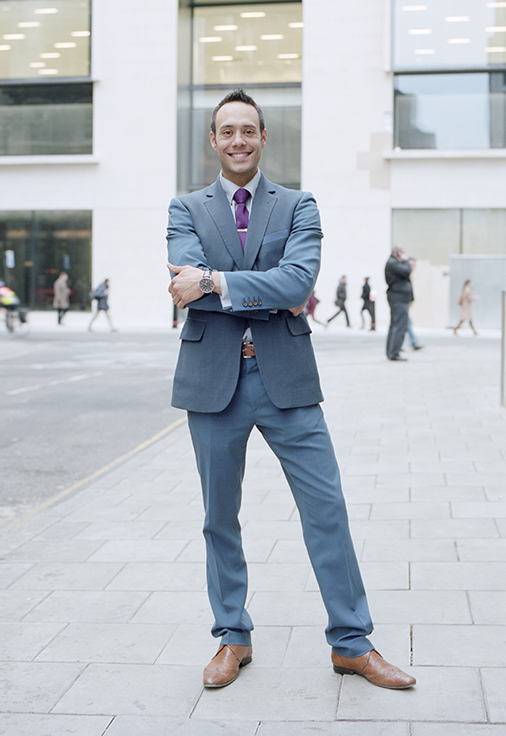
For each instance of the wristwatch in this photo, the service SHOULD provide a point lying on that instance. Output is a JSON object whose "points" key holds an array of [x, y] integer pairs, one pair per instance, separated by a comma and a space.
{"points": [[206, 283]]}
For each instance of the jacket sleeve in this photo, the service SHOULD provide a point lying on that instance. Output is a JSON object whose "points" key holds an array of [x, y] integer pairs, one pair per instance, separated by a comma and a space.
{"points": [[292, 281], [185, 249]]}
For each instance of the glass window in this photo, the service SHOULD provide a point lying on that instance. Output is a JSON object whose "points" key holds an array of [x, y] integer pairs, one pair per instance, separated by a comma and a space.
{"points": [[450, 111], [45, 119], [44, 39], [435, 234], [427, 235], [449, 34], [45, 243], [248, 44], [483, 231], [258, 46]]}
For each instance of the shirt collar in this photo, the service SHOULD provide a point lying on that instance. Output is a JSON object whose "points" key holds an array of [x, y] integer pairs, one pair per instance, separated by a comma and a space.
{"points": [[230, 188]]}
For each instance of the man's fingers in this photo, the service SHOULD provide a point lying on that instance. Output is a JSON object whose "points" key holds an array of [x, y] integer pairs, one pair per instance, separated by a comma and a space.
{"points": [[174, 269]]}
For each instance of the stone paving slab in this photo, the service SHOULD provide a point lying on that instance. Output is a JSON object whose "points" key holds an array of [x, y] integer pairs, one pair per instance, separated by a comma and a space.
{"points": [[49, 725], [104, 618]]}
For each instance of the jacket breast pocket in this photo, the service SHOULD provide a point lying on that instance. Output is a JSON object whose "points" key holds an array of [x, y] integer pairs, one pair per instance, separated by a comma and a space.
{"points": [[193, 330], [279, 235]]}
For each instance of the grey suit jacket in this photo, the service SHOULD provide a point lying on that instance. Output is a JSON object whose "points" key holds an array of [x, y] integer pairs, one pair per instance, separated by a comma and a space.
{"points": [[277, 271]]}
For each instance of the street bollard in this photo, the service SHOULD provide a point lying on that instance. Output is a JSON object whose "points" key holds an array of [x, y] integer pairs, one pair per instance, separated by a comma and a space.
{"points": [[503, 351]]}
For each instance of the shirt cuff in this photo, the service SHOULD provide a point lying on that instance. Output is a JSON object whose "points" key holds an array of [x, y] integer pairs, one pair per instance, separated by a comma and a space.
{"points": [[226, 301]]}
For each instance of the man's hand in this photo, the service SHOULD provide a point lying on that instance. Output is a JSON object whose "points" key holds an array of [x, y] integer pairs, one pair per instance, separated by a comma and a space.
{"points": [[297, 310], [184, 287]]}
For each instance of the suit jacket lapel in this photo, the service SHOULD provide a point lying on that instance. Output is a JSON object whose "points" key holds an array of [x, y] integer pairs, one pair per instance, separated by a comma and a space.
{"points": [[220, 211], [263, 204]]}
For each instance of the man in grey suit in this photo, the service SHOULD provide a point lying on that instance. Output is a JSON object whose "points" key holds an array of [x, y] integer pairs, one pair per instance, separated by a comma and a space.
{"points": [[246, 253]]}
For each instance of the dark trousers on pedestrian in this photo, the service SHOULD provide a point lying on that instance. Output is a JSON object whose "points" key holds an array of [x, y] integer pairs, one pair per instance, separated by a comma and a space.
{"points": [[341, 309], [369, 307], [398, 326]]}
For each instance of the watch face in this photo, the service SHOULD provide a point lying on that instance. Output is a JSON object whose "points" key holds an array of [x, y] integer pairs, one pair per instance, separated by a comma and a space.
{"points": [[206, 285]]}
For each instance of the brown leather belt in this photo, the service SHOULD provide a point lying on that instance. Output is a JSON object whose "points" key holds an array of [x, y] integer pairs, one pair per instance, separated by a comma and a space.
{"points": [[248, 350]]}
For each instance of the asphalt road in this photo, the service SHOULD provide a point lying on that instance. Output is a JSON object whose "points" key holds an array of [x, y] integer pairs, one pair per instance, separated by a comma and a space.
{"points": [[73, 403]]}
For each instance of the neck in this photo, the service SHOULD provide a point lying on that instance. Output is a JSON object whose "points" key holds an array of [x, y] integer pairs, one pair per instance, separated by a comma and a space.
{"points": [[238, 180]]}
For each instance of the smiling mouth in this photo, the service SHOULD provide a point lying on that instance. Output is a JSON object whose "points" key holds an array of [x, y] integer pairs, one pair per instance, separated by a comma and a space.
{"points": [[240, 155]]}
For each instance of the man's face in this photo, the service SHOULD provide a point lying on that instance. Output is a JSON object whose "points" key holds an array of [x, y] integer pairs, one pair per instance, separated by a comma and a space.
{"points": [[238, 141]]}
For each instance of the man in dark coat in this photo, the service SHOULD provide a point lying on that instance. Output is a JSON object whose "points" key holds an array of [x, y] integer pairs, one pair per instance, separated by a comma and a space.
{"points": [[341, 301], [368, 304], [400, 294]]}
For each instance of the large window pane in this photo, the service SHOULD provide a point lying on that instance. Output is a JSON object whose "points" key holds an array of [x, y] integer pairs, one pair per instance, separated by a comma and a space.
{"points": [[257, 46], [449, 34], [44, 39], [484, 231], [247, 44], [450, 111], [45, 243], [427, 235], [45, 119], [435, 234]]}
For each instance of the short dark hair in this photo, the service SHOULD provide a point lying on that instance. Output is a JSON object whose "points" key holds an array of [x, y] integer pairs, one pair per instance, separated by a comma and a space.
{"points": [[238, 95]]}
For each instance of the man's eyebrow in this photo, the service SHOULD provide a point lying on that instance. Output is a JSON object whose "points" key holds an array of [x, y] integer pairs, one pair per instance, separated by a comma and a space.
{"points": [[233, 125]]}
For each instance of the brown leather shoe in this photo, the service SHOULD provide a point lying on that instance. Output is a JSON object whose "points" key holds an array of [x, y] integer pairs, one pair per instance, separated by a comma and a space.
{"points": [[225, 665], [374, 668]]}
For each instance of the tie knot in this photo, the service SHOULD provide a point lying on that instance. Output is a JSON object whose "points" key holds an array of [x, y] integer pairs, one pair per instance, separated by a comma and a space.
{"points": [[241, 196]]}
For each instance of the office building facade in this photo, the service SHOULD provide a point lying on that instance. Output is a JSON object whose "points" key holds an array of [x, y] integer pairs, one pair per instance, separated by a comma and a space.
{"points": [[392, 113]]}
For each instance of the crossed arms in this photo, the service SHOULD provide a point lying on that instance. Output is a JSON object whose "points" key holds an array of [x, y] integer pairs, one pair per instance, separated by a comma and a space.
{"points": [[288, 285]]}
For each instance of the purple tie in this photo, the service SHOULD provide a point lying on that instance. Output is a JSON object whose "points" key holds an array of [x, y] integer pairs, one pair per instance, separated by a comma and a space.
{"points": [[241, 214]]}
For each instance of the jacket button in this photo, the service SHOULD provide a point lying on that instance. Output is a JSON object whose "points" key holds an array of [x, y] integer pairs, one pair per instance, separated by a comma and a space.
{"points": [[250, 304], [255, 303], [256, 311], [259, 302], [245, 303]]}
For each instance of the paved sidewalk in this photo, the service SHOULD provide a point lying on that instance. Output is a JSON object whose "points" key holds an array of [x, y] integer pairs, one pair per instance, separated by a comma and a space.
{"points": [[104, 619]]}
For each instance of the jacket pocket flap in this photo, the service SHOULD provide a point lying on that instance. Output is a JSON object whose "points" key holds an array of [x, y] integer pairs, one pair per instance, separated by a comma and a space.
{"points": [[193, 329], [299, 325]]}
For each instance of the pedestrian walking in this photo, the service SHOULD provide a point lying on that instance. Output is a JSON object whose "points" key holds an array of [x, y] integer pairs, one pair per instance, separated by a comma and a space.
{"points": [[245, 254], [400, 295], [465, 301], [411, 334], [101, 294], [309, 309], [341, 302], [368, 304], [61, 293]]}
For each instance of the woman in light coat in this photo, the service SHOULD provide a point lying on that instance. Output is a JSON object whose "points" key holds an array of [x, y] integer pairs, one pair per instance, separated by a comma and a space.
{"points": [[61, 296], [465, 301]]}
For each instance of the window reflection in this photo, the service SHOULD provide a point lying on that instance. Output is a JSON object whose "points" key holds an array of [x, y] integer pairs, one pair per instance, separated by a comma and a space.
{"points": [[256, 46], [248, 44], [45, 243], [444, 34], [45, 119], [450, 111], [44, 39]]}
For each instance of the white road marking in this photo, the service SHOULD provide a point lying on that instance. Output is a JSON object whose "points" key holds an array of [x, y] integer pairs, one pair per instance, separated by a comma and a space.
{"points": [[58, 382]]}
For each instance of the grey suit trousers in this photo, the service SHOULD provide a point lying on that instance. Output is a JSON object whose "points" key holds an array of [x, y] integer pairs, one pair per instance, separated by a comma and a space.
{"points": [[300, 439]]}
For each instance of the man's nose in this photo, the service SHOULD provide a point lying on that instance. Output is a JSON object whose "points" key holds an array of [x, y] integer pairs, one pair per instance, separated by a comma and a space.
{"points": [[238, 139]]}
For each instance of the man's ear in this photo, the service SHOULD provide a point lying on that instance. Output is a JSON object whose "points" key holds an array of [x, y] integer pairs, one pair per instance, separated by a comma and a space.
{"points": [[212, 138], [264, 137]]}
